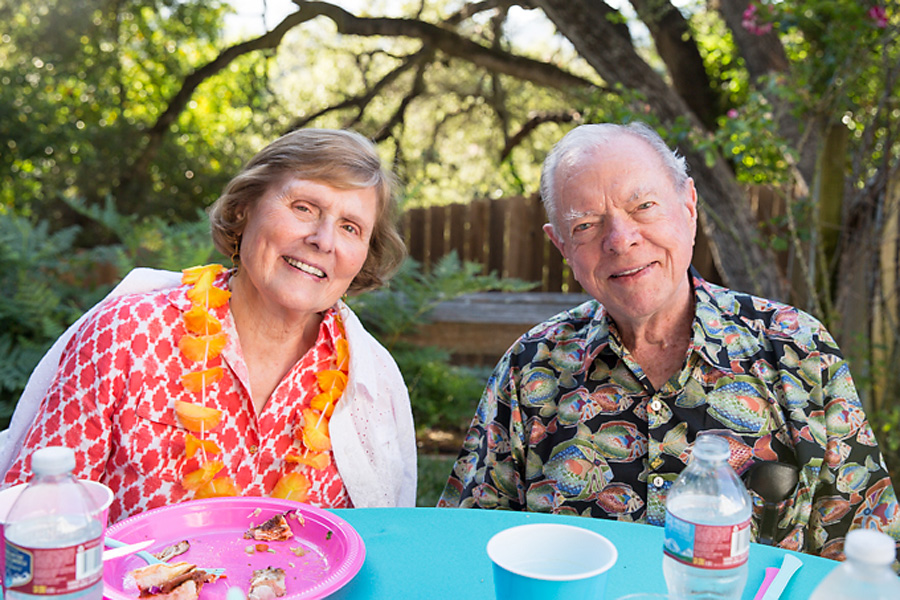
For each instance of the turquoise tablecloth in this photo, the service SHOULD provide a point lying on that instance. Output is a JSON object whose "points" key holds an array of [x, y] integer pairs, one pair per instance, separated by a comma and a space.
{"points": [[433, 553]]}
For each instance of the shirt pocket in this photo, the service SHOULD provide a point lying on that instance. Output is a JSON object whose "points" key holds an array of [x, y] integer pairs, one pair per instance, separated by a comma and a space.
{"points": [[156, 444]]}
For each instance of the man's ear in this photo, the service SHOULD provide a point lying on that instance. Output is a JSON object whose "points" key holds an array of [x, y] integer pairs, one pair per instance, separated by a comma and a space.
{"points": [[556, 239]]}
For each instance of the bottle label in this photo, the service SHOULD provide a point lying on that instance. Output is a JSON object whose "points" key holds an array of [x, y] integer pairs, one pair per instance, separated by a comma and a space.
{"points": [[707, 546], [53, 571]]}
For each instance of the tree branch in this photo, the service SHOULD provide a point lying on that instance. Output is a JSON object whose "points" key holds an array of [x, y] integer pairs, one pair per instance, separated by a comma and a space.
{"points": [[362, 100], [450, 43], [417, 88], [533, 123]]}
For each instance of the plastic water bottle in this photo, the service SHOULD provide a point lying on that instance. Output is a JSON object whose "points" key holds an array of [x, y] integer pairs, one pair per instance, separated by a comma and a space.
{"points": [[54, 545], [865, 573], [707, 537]]}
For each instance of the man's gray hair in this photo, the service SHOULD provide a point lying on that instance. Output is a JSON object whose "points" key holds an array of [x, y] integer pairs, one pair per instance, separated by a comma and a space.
{"points": [[588, 137]]}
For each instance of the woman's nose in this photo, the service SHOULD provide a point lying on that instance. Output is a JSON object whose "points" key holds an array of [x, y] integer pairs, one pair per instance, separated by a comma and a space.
{"points": [[322, 236], [620, 234]]}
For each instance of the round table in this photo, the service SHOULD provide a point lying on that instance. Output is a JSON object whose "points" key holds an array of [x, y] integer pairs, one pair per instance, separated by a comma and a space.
{"points": [[436, 553]]}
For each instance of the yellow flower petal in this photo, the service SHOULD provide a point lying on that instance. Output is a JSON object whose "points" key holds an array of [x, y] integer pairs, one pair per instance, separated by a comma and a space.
{"points": [[343, 354], [331, 379], [199, 348], [317, 461], [195, 273], [206, 294], [324, 402], [198, 321], [199, 478], [314, 431], [197, 418], [198, 380], [293, 486], [193, 444], [218, 488]]}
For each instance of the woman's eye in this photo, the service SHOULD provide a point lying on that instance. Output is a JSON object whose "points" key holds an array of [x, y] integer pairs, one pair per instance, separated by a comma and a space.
{"points": [[351, 229]]}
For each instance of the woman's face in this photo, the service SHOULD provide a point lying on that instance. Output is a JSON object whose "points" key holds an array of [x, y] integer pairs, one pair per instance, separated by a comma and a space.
{"points": [[303, 244]]}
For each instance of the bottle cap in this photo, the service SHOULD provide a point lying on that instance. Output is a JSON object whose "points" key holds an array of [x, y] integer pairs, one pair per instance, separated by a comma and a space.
{"points": [[870, 546], [711, 447], [53, 460]]}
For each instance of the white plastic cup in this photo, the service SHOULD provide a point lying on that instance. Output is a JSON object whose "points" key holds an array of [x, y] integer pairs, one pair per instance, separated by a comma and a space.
{"points": [[549, 561], [102, 495]]}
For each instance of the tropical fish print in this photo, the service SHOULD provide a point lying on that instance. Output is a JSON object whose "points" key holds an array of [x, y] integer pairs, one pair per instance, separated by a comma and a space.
{"points": [[569, 423], [738, 405], [617, 499], [620, 441], [578, 469], [832, 509]]}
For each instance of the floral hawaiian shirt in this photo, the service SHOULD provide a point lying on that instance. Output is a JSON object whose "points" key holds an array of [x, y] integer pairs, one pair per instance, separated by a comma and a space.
{"points": [[112, 401], [570, 424]]}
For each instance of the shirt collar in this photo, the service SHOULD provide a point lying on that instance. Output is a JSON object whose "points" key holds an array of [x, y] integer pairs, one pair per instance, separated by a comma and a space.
{"points": [[711, 320]]}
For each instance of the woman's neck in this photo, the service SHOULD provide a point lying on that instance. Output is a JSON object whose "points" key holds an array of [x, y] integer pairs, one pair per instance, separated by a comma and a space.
{"points": [[272, 342]]}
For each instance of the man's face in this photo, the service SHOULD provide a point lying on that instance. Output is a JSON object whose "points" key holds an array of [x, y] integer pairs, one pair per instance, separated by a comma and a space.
{"points": [[625, 230]]}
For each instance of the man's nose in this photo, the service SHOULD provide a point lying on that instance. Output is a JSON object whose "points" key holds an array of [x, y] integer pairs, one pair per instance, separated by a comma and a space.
{"points": [[620, 234]]}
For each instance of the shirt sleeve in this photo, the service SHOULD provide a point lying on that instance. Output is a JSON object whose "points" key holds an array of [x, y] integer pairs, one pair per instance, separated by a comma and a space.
{"points": [[844, 482], [76, 411], [487, 473]]}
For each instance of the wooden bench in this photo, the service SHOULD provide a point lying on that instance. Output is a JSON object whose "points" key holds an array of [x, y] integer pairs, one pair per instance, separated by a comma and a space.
{"points": [[478, 328]]}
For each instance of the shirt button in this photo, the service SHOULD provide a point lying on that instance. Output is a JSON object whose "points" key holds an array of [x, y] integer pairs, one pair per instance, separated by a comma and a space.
{"points": [[658, 481], [655, 405], [253, 449]]}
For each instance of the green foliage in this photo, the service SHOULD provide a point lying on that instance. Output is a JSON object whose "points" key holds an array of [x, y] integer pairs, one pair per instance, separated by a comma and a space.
{"points": [[82, 82], [149, 241], [49, 283], [442, 395], [40, 299], [886, 425], [433, 474]]}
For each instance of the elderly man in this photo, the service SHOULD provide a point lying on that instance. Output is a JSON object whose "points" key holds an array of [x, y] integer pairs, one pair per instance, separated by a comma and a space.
{"points": [[593, 411]]}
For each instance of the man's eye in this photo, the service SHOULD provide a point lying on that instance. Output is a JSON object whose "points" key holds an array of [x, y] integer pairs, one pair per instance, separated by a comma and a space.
{"points": [[645, 205], [581, 227]]}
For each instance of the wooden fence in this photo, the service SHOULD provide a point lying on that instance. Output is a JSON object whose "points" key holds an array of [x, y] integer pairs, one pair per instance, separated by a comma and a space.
{"points": [[505, 237]]}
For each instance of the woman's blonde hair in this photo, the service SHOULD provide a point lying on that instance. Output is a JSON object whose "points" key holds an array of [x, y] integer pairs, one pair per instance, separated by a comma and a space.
{"points": [[341, 159]]}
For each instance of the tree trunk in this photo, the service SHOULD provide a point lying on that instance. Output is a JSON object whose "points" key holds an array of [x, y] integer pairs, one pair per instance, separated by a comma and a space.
{"points": [[739, 257]]}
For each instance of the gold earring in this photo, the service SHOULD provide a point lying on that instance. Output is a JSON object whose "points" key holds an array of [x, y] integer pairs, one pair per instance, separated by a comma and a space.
{"points": [[236, 255]]}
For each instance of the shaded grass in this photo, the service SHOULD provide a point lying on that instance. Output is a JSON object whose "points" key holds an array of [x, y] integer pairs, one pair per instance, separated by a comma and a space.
{"points": [[434, 469]]}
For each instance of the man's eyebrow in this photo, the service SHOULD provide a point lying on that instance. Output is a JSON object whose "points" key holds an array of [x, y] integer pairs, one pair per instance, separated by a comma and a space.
{"points": [[574, 215]]}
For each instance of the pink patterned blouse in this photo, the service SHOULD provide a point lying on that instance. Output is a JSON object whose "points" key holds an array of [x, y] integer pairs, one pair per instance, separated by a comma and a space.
{"points": [[113, 397]]}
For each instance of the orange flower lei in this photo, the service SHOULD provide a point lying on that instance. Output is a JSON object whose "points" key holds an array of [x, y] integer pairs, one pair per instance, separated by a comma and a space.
{"points": [[204, 341]]}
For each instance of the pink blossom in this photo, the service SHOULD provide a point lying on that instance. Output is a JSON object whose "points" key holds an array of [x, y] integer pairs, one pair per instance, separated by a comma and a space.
{"points": [[750, 23], [879, 15], [732, 114]]}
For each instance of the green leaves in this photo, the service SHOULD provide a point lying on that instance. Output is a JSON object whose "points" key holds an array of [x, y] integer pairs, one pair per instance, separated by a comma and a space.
{"points": [[442, 395]]}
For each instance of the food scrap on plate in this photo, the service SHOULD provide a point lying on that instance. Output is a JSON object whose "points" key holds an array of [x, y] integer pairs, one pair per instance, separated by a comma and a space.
{"points": [[267, 584], [275, 529], [178, 581], [172, 551]]}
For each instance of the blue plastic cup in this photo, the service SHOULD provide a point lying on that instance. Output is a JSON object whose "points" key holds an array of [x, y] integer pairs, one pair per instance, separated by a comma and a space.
{"points": [[548, 561]]}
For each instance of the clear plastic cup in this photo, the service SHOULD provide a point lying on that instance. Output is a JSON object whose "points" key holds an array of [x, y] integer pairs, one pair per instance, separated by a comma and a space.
{"points": [[101, 494]]}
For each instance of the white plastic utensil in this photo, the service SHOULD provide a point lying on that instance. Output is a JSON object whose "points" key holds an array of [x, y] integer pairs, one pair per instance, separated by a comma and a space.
{"points": [[789, 565], [126, 550], [149, 558]]}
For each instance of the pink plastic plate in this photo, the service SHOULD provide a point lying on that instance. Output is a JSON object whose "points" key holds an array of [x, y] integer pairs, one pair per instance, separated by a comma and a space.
{"points": [[331, 551]]}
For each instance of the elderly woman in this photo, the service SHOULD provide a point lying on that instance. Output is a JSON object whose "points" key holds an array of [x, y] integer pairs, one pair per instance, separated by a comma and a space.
{"points": [[257, 380]]}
